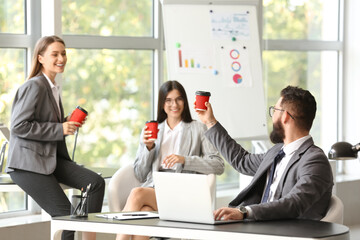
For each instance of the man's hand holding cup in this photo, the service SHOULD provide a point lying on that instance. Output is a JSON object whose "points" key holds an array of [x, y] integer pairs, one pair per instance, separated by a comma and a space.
{"points": [[203, 109]]}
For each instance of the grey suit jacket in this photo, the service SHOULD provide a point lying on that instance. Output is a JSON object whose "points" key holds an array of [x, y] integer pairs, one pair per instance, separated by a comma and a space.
{"points": [[36, 129], [304, 190], [200, 155]]}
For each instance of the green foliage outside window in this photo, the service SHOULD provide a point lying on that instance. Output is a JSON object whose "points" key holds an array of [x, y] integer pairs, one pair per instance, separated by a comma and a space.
{"points": [[300, 19], [12, 75], [114, 86], [107, 17], [12, 16]]}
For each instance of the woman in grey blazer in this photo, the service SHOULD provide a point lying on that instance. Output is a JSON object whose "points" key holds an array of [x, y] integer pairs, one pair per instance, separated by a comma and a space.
{"points": [[38, 159], [180, 147]]}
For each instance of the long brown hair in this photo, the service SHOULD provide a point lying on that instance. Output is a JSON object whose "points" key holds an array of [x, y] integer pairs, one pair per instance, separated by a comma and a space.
{"points": [[163, 92], [40, 47]]}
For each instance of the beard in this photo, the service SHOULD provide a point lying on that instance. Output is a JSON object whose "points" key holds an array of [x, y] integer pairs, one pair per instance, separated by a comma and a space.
{"points": [[278, 134]]}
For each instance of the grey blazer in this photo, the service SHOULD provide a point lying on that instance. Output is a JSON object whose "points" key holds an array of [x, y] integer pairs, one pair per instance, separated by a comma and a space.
{"points": [[200, 155], [304, 190], [36, 129]]}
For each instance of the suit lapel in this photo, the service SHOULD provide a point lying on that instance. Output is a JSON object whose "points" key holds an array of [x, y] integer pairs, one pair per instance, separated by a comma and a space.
{"points": [[61, 109], [253, 192], [185, 143], [52, 99], [295, 158], [156, 164], [268, 160]]}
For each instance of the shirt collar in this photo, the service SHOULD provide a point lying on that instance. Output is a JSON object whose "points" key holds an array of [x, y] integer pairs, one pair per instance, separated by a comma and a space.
{"points": [[167, 129], [52, 85], [293, 146]]}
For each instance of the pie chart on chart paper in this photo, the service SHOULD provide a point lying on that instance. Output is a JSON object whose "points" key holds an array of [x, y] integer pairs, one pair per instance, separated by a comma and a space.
{"points": [[237, 78]]}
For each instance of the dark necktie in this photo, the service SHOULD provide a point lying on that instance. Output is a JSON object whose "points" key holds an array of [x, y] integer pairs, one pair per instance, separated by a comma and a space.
{"points": [[278, 157]]}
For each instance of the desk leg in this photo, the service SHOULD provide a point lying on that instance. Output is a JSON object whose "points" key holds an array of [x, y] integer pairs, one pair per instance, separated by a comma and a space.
{"points": [[55, 233]]}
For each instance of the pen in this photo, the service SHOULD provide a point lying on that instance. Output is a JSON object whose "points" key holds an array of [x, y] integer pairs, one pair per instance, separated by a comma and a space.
{"points": [[84, 199], [134, 214]]}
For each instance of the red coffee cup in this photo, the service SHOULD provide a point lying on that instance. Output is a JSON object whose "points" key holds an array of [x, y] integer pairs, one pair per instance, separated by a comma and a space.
{"points": [[153, 127], [201, 98], [78, 115]]}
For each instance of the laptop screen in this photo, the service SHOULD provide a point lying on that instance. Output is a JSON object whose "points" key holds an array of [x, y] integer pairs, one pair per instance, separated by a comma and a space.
{"points": [[185, 197]]}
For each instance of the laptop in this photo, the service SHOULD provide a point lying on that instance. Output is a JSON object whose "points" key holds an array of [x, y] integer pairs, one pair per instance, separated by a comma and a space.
{"points": [[186, 197]]}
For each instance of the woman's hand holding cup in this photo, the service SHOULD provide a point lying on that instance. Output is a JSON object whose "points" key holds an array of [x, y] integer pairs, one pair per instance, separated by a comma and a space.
{"points": [[69, 128], [149, 143], [150, 134]]}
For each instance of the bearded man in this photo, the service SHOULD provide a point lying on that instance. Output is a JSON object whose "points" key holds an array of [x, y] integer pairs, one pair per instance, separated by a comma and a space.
{"points": [[293, 179]]}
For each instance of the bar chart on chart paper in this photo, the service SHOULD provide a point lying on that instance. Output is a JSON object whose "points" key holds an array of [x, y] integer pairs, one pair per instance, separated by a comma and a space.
{"points": [[194, 60]]}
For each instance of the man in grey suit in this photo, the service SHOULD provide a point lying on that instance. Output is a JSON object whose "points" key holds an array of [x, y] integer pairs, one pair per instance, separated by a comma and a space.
{"points": [[293, 179]]}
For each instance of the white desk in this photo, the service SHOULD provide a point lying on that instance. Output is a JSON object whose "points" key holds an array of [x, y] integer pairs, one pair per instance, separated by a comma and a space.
{"points": [[266, 230]]}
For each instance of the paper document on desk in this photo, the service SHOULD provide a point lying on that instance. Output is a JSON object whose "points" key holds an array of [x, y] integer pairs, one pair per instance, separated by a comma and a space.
{"points": [[129, 215]]}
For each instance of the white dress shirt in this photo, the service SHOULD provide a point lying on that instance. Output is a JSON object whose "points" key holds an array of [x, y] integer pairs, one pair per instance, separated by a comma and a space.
{"points": [[170, 142], [289, 151]]}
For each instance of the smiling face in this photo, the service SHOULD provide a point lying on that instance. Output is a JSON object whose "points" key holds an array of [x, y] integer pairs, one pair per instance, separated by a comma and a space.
{"points": [[53, 60], [174, 105]]}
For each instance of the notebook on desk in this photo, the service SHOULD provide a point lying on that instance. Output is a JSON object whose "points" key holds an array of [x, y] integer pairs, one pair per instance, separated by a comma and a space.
{"points": [[186, 197]]}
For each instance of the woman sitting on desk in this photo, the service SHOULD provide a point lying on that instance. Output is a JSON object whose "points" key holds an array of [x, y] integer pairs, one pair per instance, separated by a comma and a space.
{"points": [[180, 147], [38, 158]]}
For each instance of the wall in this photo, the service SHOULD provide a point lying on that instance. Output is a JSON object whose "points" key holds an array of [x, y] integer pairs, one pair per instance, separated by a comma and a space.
{"points": [[32, 231]]}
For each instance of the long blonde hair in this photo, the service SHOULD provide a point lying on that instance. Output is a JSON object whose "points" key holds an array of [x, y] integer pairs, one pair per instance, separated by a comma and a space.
{"points": [[40, 47]]}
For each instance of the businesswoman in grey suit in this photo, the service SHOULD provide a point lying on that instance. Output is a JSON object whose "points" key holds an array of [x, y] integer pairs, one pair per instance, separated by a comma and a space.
{"points": [[38, 159], [180, 147]]}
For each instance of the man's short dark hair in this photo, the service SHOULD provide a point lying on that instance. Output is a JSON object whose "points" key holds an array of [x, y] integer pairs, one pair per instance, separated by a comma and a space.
{"points": [[300, 104]]}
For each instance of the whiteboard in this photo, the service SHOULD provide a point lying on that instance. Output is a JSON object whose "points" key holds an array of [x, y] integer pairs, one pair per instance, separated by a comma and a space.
{"points": [[216, 48]]}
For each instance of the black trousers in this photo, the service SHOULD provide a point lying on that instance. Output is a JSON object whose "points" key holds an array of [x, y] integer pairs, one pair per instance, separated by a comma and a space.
{"points": [[46, 191]]}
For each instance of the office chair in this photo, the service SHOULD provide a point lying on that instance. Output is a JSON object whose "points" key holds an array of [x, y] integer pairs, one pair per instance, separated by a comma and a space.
{"points": [[335, 213], [120, 186]]}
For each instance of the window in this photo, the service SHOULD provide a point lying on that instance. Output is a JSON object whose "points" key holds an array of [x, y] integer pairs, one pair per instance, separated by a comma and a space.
{"points": [[302, 49], [114, 86], [108, 18], [114, 83], [12, 74], [12, 16], [301, 19]]}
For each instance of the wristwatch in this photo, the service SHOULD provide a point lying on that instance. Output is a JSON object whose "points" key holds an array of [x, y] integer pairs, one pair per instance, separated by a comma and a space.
{"points": [[243, 210]]}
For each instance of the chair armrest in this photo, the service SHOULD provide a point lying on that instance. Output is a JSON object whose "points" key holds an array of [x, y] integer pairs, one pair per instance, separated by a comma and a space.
{"points": [[120, 186], [335, 213]]}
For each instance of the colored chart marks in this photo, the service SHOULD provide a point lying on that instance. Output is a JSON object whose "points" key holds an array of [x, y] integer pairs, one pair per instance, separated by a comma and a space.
{"points": [[236, 66], [234, 54], [237, 78], [194, 60], [231, 25], [235, 63]]}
